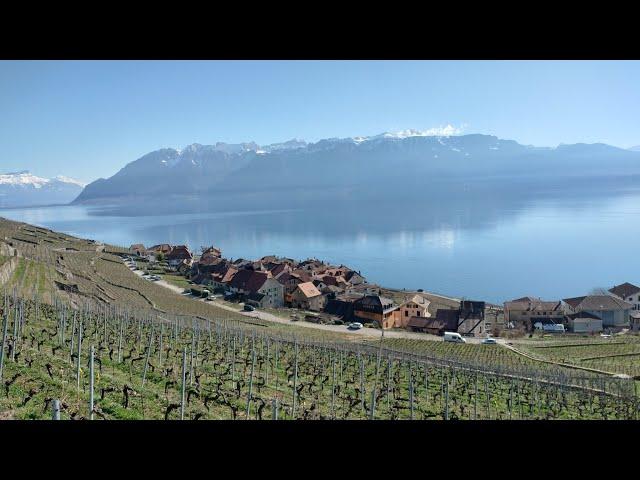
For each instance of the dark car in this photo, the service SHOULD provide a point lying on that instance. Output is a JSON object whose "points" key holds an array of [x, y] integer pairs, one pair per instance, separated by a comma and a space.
{"points": [[248, 308]]}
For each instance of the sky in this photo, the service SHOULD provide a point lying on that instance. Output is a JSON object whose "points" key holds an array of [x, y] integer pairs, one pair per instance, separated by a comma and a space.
{"points": [[87, 119]]}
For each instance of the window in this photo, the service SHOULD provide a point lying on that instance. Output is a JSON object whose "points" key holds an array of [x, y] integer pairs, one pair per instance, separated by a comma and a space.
{"points": [[406, 313], [417, 314]]}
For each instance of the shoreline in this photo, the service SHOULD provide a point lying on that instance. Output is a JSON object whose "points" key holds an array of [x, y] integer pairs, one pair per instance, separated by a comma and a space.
{"points": [[396, 291]]}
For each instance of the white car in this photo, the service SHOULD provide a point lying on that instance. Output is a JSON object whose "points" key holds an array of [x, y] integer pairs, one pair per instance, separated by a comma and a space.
{"points": [[453, 337], [489, 341], [354, 326]]}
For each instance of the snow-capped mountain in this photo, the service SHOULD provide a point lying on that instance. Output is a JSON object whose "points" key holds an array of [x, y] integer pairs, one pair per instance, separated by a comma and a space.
{"points": [[409, 159], [20, 189], [446, 131], [292, 144]]}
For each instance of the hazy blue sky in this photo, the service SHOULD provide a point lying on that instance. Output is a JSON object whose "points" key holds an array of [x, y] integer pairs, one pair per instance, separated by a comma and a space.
{"points": [[88, 119]]}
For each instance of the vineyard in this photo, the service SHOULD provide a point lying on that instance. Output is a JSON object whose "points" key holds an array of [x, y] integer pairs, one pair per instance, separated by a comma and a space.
{"points": [[620, 354], [107, 362], [81, 332]]}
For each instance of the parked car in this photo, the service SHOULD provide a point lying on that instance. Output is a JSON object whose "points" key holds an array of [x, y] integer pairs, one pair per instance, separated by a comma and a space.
{"points": [[454, 337], [354, 326], [489, 341], [248, 308]]}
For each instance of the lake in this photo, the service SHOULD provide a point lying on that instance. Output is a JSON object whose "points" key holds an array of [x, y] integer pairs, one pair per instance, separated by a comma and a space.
{"points": [[483, 244]]}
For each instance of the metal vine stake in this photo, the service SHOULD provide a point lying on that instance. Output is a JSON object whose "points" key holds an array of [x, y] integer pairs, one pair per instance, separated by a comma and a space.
{"points": [[184, 379], [4, 341], [91, 355]]}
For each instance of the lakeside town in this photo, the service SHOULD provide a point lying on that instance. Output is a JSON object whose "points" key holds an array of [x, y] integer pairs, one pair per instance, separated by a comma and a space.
{"points": [[336, 294]]}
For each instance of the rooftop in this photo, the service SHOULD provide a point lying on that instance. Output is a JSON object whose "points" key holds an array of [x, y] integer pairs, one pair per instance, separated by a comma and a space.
{"points": [[308, 289], [597, 302], [625, 290]]}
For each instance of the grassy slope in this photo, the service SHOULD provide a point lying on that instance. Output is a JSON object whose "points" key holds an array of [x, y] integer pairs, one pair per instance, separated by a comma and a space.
{"points": [[44, 370]]}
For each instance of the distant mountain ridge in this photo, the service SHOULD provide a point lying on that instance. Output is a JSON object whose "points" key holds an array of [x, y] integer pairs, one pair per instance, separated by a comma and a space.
{"points": [[409, 159], [20, 189]]}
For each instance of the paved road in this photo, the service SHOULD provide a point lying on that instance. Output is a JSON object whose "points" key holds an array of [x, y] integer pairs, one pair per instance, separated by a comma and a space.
{"points": [[363, 332]]}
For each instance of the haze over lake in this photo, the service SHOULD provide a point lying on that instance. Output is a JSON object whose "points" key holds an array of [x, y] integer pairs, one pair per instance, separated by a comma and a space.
{"points": [[491, 241]]}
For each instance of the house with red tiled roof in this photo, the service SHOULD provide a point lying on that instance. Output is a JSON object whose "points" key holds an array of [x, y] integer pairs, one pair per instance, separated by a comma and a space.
{"points": [[303, 275], [629, 293], [246, 282], [178, 255], [210, 256], [289, 281], [278, 268], [221, 275], [308, 297]]}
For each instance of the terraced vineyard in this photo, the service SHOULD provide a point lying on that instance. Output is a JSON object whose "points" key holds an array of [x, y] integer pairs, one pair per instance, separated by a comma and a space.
{"points": [[486, 357], [157, 367], [619, 354], [78, 271]]}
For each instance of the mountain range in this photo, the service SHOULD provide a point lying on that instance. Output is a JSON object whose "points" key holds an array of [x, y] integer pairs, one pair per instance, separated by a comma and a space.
{"points": [[21, 189], [390, 162]]}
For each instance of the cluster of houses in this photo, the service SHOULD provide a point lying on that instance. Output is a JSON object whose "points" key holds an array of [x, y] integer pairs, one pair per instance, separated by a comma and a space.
{"points": [[344, 294], [614, 309], [313, 285]]}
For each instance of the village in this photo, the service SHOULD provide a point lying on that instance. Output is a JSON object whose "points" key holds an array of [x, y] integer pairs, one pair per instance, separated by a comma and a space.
{"points": [[322, 293]]}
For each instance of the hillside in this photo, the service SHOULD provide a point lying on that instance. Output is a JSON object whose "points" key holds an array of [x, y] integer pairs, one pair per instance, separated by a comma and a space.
{"points": [[64, 296], [77, 272], [115, 364]]}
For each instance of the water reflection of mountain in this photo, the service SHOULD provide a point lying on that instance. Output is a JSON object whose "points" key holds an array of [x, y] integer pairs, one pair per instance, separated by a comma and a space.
{"points": [[465, 205]]}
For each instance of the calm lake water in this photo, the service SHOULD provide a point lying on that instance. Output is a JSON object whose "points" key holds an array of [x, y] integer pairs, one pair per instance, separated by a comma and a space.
{"points": [[552, 246]]}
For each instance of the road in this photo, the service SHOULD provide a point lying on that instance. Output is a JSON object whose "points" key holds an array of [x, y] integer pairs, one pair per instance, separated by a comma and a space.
{"points": [[363, 332]]}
